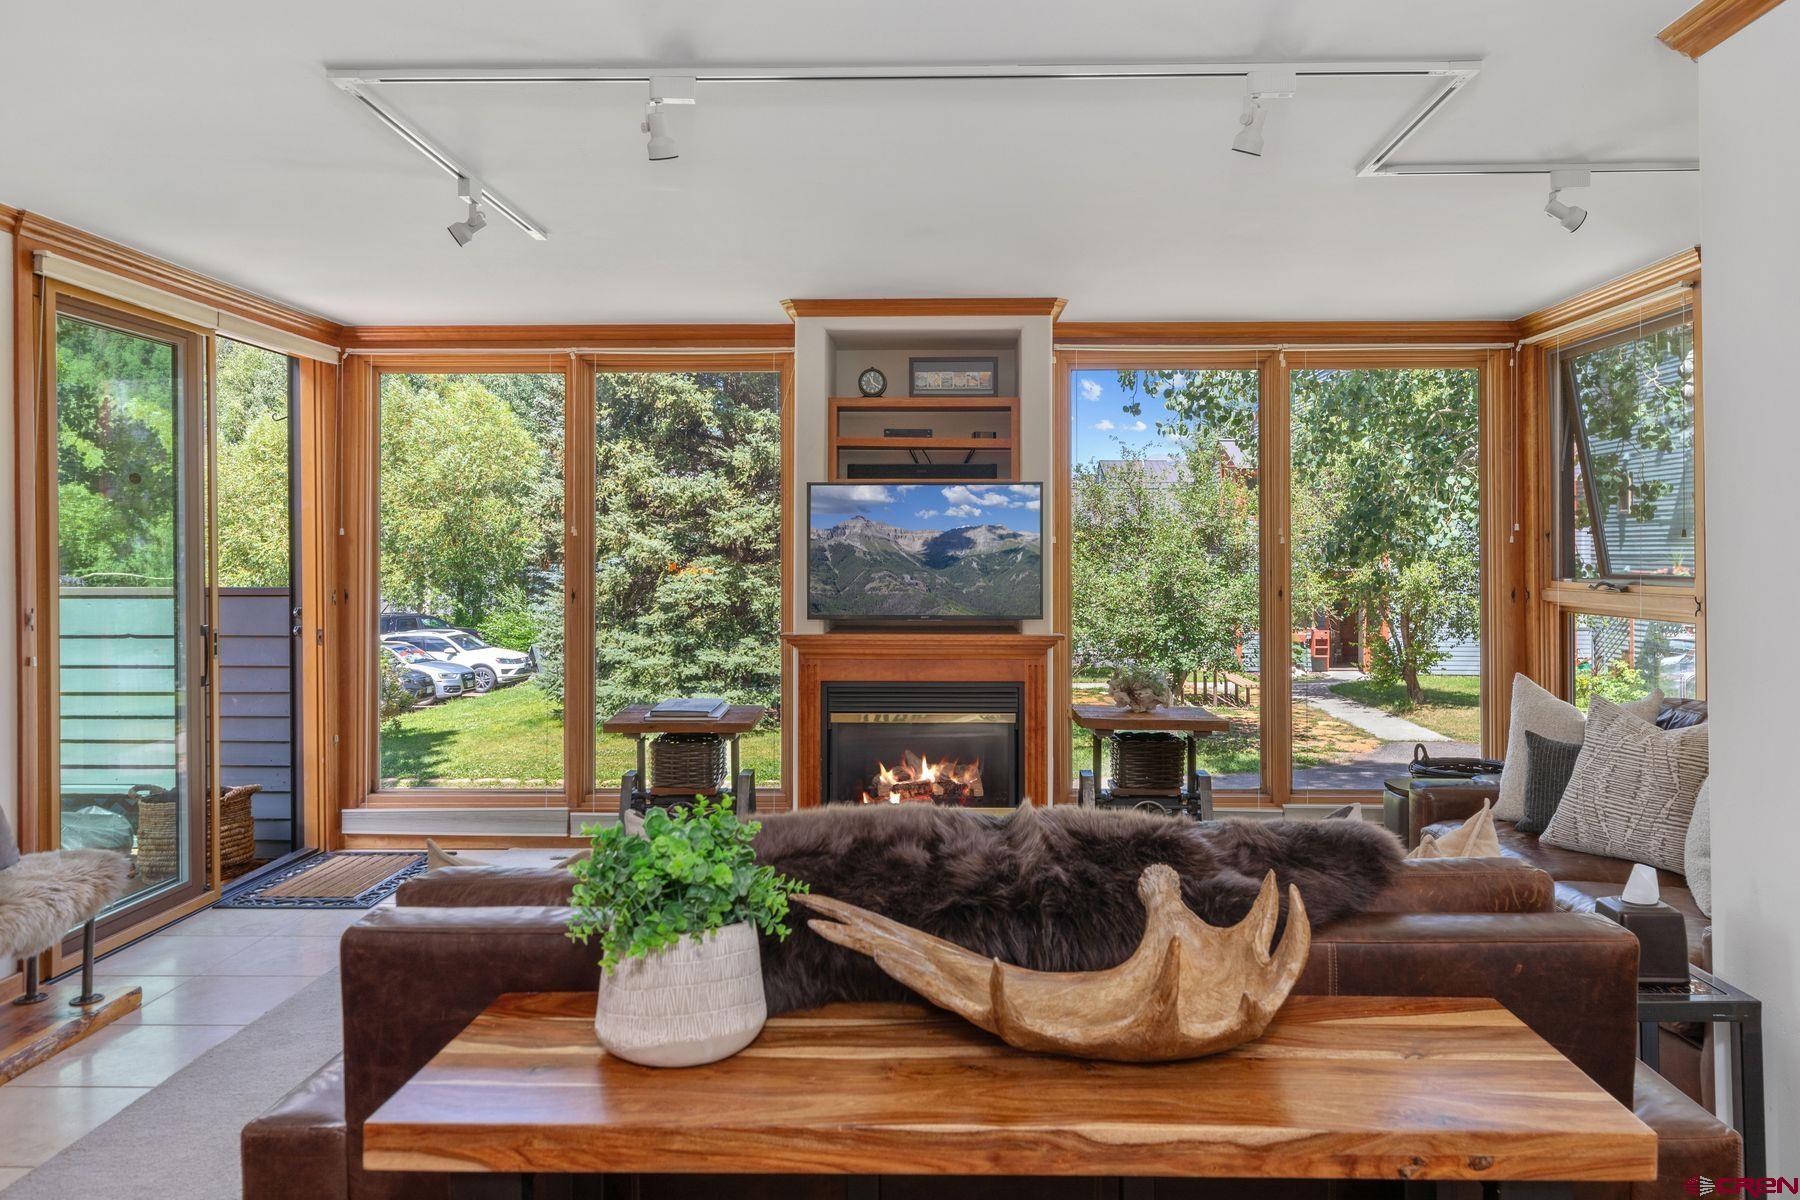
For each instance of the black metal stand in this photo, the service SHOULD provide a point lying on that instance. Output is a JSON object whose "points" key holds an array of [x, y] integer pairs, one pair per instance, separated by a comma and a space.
{"points": [[34, 993], [1711, 1000], [1195, 800], [634, 792], [88, 994]]}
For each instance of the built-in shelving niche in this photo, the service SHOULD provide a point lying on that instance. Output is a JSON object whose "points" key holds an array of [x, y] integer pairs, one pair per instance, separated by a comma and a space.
{"points": [[924, 439]]}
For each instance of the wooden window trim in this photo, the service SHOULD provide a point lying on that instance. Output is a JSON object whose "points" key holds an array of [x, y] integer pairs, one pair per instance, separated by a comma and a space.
{"points": [[356, 596], [1501, 637], [38, 596], [1606, 311]]}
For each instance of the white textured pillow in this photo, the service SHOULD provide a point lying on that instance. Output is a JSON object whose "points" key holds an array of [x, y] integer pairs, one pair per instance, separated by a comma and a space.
{"points": [[1536, 711], [1633, 790], [1696, 853]]}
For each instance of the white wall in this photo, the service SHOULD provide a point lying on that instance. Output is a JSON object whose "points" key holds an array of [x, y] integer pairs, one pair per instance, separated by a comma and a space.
{"points": [[1750, 245], [9, 597]]}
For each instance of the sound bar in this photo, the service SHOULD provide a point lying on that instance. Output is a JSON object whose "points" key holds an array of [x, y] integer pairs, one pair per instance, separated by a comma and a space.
{"points": [[922, 471]]}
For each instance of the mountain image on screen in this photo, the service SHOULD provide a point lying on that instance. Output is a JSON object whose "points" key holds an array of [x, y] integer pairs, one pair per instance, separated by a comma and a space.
{"points": [[861, 566]]}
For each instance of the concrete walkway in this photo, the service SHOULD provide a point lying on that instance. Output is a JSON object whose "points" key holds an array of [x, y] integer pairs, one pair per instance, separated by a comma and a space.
{"points": [[1373, 721]]}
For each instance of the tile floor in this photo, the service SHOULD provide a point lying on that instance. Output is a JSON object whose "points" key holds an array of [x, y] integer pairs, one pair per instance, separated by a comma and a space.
{"points": [[203, 979]]}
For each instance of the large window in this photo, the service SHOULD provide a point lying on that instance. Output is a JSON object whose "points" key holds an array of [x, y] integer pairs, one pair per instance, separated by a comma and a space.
{"points": [[1384, 528], [1625, 412], [470, 630], [687, 563], [1625, 570], [1165, 567]]}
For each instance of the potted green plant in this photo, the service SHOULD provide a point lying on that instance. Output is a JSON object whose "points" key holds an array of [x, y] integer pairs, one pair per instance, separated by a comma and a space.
{"points": [[677, 908]]}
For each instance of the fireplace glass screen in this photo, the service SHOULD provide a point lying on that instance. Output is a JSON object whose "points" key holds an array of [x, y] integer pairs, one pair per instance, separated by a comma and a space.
{"points": [[955, 744]]}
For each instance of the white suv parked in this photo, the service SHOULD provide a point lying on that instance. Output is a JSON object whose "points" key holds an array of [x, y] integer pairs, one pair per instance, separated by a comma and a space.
{"points": [[492, 665]]}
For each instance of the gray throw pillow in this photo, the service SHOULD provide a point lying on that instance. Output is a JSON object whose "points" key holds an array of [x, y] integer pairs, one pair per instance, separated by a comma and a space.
{"points": [[1548, 765], [1633, 790], [9, 846]]}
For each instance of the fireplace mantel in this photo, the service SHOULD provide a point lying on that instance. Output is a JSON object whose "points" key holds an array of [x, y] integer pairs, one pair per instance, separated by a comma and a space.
{"points": [[918, 656]]}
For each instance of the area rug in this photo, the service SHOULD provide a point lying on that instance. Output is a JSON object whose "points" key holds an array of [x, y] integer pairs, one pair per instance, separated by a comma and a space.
{"points": [[181, 1139], [342, 879]]}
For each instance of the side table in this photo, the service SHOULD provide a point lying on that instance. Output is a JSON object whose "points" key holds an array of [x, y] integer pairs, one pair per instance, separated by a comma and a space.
{"points": [[1193, 797], [637, 790], [1707, 999]]}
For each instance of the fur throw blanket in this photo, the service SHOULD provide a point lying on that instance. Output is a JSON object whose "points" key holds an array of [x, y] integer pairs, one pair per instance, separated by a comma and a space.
{"points": [[1051, 889], [45, 895]]}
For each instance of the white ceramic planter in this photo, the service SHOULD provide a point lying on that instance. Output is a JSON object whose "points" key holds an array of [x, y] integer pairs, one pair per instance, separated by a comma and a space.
{"points": [[696, 1002]]}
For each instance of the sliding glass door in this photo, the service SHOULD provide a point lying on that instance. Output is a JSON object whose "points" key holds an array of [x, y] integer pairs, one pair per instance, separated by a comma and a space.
{"points": [[125, 703]]}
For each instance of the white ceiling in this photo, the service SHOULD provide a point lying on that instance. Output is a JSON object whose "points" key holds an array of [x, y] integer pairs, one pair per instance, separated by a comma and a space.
{"points": [[203, 131]]}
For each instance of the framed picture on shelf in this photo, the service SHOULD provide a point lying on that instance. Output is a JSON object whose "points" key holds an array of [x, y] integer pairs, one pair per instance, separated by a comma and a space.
{"points": [[954, 376]]}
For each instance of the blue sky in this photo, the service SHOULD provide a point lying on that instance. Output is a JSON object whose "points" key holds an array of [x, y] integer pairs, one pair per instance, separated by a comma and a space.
{"points": [[1103, 427], [929, 506]]}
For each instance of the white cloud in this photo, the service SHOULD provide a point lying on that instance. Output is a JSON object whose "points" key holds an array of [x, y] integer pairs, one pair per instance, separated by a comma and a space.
{"points": [[1032, 505], [1103, 426], [962, 510], [1090, 391], [849, 499], [1023, 489], [925, 514], [1139, 426], [992, 498]]}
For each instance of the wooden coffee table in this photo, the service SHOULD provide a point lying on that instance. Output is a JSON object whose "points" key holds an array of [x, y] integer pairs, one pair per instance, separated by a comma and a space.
{"points": [[1340, 1087]]}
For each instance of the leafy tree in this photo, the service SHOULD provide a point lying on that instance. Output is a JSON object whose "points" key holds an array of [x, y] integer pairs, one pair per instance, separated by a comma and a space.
{"points": [[255, 456], [116, 453], [687, 537], [1165, 566], [458, 467], [1385, 492]]}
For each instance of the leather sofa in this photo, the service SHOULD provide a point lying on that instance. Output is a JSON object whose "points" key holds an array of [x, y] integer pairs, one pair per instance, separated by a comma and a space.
{"points": [[415, 974], [1439, 806]]}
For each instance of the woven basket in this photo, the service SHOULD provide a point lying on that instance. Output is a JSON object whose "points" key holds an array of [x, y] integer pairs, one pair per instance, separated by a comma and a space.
{"points": [[1147, 764], [689, 762], [237, 827], [158, 837]]}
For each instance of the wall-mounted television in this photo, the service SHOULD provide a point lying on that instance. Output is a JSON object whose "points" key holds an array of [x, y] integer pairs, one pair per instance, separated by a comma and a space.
{"points": [[881, 552]]}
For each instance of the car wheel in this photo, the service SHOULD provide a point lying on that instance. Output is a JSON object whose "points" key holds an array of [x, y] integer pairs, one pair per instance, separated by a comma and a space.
{"points": [[485, 679]]}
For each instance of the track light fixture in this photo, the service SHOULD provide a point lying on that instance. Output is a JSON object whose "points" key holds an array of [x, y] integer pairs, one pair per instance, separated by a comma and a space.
{"points": [[664, 91], [465, 230], [1250, 138], [1260, 87], [1570, 215]]}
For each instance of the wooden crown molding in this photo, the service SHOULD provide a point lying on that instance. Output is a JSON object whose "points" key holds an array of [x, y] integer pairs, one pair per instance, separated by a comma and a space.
{"points": [[41, 233], [9, 219], [973, 306], [1710, 22], [1682, 268], [1282, 333], [565, 337]]}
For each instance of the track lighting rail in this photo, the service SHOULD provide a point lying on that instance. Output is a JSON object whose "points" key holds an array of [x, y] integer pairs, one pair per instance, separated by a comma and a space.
{"points": [[1450, 76]]}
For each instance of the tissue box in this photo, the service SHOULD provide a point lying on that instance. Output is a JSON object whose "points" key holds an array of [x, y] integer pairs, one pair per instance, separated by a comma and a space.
{"points": [[1661, 933]]}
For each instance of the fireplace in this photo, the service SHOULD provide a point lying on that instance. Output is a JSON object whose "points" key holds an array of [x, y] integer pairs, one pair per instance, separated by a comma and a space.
{"points": [[955, 744]]}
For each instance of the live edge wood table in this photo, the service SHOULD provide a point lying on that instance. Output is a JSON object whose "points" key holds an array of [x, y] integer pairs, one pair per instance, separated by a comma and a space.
{"points": [[635, 721], [1340, 1087], [1192, 722]]}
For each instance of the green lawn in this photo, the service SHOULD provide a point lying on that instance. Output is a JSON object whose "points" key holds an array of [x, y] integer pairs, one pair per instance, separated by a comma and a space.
{"points": [[512, 737], [1452, 704]]}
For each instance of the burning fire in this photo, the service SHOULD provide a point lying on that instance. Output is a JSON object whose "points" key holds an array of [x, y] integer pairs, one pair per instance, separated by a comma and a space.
{"points": [[918, 781]]}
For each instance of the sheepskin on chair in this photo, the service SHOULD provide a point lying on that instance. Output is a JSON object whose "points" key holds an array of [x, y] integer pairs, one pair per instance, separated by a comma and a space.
{"points": [[1051, 889], [46, 895]]}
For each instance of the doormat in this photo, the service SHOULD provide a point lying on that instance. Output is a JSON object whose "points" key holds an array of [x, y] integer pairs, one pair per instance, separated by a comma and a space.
{"points": [[341, 879]]}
